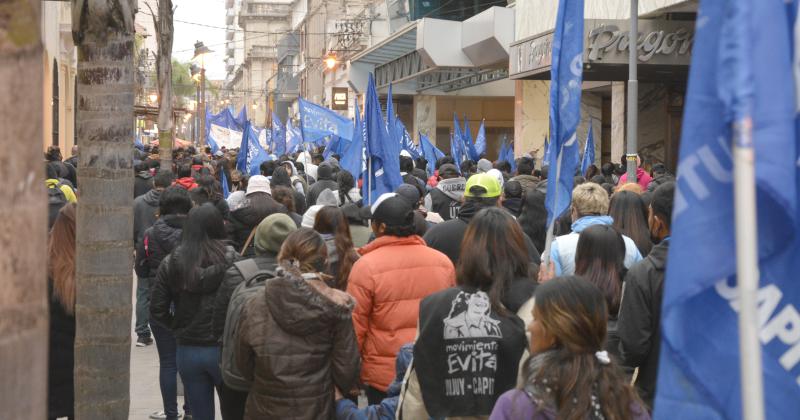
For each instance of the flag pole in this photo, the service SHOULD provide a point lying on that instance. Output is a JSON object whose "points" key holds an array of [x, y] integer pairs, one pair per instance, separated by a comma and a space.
{"points": [[744, 196], [633, 92], [550, 228]]}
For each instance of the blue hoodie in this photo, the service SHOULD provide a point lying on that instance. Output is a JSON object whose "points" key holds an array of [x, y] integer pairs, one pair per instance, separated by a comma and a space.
{"points": [[562, 252], [347, 410]]}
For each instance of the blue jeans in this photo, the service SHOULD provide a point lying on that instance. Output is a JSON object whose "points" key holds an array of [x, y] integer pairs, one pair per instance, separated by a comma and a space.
{"points": [[199, 369], [168, 369], [143, 306]]}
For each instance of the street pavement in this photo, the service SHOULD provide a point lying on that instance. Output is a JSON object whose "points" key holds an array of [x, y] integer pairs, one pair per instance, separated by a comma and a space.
{"points": [[145, 392]]}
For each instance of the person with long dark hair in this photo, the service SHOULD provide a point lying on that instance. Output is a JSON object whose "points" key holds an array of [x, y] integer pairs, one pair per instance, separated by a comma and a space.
{"points": [[533, 217], [630, 218], [568, 375], [599, 260], [189, 279], [295, 341], [209, 191], [493, 281], [61, 276], [348, 192], [332, 224], [281, 178]]}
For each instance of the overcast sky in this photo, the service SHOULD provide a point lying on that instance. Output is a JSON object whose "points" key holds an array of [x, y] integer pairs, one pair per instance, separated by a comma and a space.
{"points": [[207, 12]]}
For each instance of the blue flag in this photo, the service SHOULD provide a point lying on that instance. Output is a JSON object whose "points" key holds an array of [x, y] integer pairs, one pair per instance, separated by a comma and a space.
{"points": [[469, 146], [507, 154], [251, 154], [406, 143], [278, 136], [588, 151], [566, 74], [389, 109], [740, 80], [242, 117], [457, 149], [430, 152], [294, 138], [318, 122], [546, 157], [384, 154], [352, 151], [223, 180], [480, 140], [334, 147], [223, 129]]}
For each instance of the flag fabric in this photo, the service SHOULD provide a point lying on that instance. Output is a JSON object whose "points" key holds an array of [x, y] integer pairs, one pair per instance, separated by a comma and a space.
{"points": [[546, 157], [588, 151], [318, 122], [251, 154], [457, 149], [223, 129], [741, 79], [242, 117], [224, 181], [566, 75], [480, 140], [507, 154], [334, 147], [389, 109], [469, 146], [430, 152], [294, 137], [352, 152], [406, 143], [384, 154], [278, 136]]}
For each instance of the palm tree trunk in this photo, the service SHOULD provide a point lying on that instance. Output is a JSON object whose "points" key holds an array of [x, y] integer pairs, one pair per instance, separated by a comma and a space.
{"points": [[163, 24], [103, 32], [23, 220]]}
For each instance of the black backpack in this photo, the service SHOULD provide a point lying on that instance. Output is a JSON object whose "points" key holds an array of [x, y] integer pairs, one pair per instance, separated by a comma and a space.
{"points": [[253, 284], [55, 199]]}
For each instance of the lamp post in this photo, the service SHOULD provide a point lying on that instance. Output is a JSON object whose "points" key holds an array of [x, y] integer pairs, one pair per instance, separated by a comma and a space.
{"points": [[200, 51]]}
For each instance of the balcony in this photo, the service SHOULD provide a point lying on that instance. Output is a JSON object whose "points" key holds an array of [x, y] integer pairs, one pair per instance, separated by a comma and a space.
{"points": [[229, 17], [264, 11], [262, 51], [229, 35], [230, 50]]}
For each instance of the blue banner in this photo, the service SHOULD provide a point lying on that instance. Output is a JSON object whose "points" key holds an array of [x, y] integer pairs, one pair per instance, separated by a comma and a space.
{"points": [[294, 138], [430, 152], [251, 154], [566, 75], [352, 151], [384, 154], [741, 90], [469, 146], [241, 119], [480, 140], [318, 122], [278, 137], [588, 151]]}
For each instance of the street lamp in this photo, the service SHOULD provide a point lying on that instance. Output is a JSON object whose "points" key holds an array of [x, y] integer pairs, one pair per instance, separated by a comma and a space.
{"points": [[330, 61], [200, 51], [153, 98]]}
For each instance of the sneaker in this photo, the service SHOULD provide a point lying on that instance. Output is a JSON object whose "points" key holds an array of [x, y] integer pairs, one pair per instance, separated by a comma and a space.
{"points": [[159, 415], [143, 341]]}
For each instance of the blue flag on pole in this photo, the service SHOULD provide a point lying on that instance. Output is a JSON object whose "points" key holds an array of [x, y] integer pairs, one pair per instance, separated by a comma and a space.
{"points": [[352, 152], [251, 154], [480, 140], [406, 143], [430, 152], [278, 136], [457, 147], [223, 129], [588, 151], [223, 180], [384, 153], [566, 74], [741, 77], [469, 146], [294, 138], [241, 119], [507, 154], [318, 122], [389, 109]]}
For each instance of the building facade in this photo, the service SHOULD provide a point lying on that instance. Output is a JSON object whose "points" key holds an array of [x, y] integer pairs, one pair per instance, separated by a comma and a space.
{"points": [[60, 63]]}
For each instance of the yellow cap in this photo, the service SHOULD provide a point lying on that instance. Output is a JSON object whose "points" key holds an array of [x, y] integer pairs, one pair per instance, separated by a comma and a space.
{"points": [[487, 182]]}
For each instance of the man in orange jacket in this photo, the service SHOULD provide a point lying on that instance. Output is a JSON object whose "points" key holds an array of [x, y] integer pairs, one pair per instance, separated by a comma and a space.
{"points": [[394, 273]]}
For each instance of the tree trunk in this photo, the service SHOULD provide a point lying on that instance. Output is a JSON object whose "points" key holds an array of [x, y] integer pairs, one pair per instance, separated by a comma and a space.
{"points": [[23, 219], [163, 25], [103, 32]]}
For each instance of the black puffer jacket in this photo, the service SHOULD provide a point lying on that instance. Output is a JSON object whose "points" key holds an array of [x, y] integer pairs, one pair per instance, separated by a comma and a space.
{"points": [[192, 320], [243, 220], [157, 242], [446, 237], [296, 342]]}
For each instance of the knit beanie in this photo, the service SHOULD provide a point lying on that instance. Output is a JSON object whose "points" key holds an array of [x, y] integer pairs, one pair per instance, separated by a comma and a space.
{"points": [[272, 231]]}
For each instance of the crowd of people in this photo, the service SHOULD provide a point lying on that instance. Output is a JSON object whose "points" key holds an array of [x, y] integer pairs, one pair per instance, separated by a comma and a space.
{"points": [[292, 296]]}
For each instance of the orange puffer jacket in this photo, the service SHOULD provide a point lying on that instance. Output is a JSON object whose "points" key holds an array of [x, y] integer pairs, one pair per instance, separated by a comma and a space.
{"points": [[388, 282]]}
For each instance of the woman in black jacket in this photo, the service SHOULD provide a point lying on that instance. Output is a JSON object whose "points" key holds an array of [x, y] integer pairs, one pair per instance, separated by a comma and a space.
{"points": [[61, 274], [189, 279]]}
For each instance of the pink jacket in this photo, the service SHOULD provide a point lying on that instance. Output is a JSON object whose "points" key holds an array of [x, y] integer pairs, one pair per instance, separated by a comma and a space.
{"points": [[642, 178]]}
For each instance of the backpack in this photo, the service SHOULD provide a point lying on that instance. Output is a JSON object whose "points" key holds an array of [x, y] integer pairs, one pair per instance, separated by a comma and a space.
{"points": [[253, 284], [55, 199]]}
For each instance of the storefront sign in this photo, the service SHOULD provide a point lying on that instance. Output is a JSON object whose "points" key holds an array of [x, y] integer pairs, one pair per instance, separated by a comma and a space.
{"points": [[340, 100], [660, 42]]}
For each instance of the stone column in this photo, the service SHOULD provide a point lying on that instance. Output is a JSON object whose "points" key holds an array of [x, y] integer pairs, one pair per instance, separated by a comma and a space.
{"points": [[617, 121], [531, 117], [425, 117]]}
